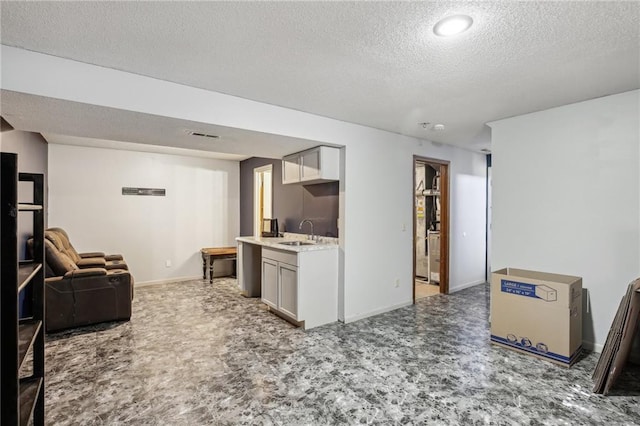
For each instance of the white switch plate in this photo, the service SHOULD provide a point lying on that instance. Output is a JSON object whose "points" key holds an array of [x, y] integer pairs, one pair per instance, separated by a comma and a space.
{"points": [[167, 263]]}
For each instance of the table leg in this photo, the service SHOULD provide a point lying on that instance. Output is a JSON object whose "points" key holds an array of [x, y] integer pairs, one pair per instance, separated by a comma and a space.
{"points": [[204, 266], [210, 269]]}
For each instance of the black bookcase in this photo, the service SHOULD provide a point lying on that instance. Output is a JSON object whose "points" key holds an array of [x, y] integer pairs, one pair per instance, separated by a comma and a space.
{"points": [[21, 384]]}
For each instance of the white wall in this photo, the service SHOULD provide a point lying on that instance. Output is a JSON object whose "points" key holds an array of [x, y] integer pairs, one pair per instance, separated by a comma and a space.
{"points": [[200, 208], [566, 198], [376, 212]]}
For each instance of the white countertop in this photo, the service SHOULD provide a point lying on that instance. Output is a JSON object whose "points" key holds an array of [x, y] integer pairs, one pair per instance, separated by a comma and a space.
{"points": [[275, 242]]}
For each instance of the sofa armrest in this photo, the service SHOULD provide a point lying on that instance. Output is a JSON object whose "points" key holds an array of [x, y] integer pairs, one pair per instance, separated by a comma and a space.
{"points": [[91, 262], [89, 272], [91, 254], [113, 257]]}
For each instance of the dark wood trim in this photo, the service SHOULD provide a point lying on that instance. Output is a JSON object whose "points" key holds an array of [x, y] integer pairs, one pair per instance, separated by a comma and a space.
{"points": [[444, 228], [415, 225], [444, 220], [486, 220]]}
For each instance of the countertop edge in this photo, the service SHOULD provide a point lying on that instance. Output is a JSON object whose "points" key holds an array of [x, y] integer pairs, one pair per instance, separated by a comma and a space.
{"points": [[273, 242]]}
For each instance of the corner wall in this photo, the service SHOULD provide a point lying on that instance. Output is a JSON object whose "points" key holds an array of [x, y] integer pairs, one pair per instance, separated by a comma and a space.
{"points": [[566, 199], [200, 208]]}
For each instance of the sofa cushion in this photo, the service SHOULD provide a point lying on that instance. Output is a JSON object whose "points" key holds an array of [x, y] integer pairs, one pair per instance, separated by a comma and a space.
{"points": [[65, 244], [54, 239], [59, 262]]}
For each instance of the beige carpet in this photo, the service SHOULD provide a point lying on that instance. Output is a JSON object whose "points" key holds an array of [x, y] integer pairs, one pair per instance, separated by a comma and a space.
{"points": [[426, 290]]}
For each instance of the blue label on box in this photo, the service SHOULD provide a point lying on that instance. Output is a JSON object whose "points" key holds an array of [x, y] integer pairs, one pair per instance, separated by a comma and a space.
{"points": [[539, 349], [521, 289]]}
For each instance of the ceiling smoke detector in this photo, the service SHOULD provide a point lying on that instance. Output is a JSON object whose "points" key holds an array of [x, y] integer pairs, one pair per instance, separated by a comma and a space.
{"points": [[203, 135]]}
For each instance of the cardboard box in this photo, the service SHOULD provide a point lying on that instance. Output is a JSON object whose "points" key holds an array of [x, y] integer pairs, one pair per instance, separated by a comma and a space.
{"points": [[537, 313]]}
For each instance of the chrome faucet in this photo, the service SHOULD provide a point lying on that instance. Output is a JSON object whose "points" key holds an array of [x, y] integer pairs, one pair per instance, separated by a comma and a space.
{"points": [[310, 223]]}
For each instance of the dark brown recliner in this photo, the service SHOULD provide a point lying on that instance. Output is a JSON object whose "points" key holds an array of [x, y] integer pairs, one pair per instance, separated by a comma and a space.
{"points": [[75, 297], [60, 238]]}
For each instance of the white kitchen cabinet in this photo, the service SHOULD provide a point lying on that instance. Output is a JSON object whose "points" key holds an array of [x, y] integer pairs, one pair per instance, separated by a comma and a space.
{"points": [[270, 282], [280, 281], [316, 165], [288, 302], [301, 286], [291, 169], [311, 167]]}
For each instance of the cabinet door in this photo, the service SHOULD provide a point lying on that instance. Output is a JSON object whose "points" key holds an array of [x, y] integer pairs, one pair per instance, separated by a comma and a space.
{"points": [[311, 163], [270, 282], [288, 289], [291, 169]]}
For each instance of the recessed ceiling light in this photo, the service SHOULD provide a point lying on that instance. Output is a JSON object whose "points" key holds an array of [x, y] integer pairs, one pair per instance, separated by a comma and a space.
{"points": [[452, 25], [438, 127]]}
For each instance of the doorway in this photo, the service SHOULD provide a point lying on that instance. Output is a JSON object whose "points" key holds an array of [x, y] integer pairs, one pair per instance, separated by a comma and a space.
{"points": [[262, 197], [430, 227]]}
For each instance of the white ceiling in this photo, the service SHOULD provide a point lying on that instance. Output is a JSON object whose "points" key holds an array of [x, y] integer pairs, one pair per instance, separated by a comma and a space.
{"points": [[372, 63]]}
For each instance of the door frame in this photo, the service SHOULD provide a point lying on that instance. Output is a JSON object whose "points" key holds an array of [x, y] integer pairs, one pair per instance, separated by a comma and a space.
{"points": [[444, 220], [258, 176]]}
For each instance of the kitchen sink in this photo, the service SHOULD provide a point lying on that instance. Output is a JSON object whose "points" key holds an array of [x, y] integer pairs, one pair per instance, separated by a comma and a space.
{"points": [[296, 243]]}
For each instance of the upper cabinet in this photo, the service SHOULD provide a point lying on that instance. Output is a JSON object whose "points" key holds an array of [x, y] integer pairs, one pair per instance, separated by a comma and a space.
{"points": [[316, 165]]}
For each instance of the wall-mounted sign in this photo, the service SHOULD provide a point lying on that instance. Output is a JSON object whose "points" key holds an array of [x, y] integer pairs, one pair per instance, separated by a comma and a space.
{"points": [[143, 191]]}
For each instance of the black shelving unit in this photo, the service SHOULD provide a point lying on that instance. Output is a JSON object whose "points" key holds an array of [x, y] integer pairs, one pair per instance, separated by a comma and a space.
{"points": [[22, 396]]}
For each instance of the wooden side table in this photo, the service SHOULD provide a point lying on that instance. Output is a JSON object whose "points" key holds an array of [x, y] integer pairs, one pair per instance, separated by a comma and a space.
{"points": [[210, 254]]}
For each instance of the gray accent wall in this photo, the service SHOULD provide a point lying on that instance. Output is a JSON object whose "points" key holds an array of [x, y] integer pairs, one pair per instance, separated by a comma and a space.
{"points": [[291, 203], [32, 150]]}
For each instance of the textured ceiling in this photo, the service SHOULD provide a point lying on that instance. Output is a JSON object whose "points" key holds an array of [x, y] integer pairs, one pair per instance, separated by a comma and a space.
{"points": [[372, 63]]}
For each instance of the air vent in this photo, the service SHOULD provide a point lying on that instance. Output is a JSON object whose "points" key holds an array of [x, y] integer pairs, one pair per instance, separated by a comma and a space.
{"points": [[158, 192], [204, 135]]}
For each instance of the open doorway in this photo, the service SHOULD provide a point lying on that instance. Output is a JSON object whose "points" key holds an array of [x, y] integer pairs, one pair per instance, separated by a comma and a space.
{"points": [[430, 227], [262, 197]]}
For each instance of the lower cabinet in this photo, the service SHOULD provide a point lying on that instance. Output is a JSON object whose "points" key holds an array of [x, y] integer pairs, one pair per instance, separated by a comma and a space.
{"points": [[270, 282], [301, 286], [288, 280], [280, 282]]}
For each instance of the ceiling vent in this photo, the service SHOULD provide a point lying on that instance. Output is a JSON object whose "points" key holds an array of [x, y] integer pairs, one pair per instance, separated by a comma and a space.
{"points": [[203, 135]]}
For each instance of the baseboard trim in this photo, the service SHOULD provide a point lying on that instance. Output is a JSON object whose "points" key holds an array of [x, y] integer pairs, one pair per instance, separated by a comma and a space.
{"points": [[593, 347], [467, 285], [358, 317], [167, 281]]}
